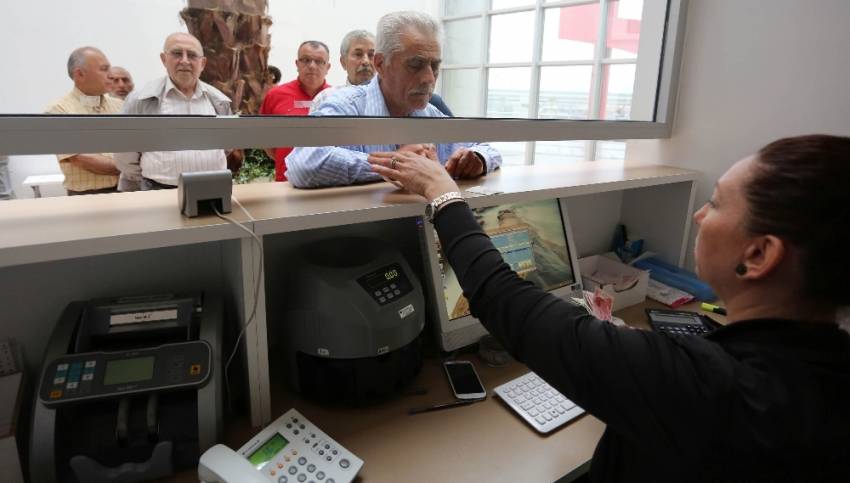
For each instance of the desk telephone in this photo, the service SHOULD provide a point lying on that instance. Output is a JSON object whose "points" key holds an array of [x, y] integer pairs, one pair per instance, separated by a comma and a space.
{"points": [[290, 450]]}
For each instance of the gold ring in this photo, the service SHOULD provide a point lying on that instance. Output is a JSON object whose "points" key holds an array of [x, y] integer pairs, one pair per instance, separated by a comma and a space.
{"points": [[393, 163]]}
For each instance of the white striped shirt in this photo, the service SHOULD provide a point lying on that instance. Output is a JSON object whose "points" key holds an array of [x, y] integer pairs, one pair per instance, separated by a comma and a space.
{"points": [[165, 166], [312, 167]]}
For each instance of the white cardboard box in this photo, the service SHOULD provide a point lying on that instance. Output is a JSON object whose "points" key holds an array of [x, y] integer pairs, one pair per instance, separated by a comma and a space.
{"points": [[598, 267]]}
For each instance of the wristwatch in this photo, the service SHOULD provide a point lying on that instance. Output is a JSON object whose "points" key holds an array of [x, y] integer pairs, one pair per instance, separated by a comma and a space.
{"points": [[432, 208]]}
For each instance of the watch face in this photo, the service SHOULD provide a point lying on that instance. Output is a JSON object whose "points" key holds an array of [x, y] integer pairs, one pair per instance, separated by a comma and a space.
{"points": [[429, 212]]}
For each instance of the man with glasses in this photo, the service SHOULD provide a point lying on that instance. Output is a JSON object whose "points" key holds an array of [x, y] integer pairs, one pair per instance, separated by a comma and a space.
{"points": [[88, 173], [295, 98], [407, 60], [180, 93]]}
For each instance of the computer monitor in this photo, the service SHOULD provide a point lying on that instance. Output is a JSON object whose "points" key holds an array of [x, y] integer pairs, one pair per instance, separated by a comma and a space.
{"points": [[535, 240]]}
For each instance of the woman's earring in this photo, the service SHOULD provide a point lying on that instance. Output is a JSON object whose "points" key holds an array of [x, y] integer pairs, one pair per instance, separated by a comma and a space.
{"points": [[741, 269]]}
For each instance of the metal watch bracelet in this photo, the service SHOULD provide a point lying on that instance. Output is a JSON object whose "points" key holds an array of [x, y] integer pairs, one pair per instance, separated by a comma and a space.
{"points": [[441, 201]]}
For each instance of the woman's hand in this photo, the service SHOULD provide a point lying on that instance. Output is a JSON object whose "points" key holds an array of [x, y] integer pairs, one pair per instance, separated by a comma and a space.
{"points": [[416, 173]]}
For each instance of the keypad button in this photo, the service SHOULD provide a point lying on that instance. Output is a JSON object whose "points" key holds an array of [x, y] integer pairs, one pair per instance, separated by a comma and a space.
{"points": [[393, 286], [335, 452], [293, 470], [320, 475], [397, 292], [344, 463], [282, 479], [382, 299], [302, 461], [62, 367], [386, 289], [302, 477], [311, 468]]}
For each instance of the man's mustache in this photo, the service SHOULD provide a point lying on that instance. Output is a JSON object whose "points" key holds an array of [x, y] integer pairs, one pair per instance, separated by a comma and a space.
{"points": [[364, 68]]}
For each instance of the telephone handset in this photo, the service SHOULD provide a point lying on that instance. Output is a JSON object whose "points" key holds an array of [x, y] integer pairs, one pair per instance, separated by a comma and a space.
{"points": [[290, 449], [222, 464]]}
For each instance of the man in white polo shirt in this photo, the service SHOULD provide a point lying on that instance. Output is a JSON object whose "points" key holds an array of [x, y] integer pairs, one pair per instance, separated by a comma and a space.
{"points": [[180, 93]]}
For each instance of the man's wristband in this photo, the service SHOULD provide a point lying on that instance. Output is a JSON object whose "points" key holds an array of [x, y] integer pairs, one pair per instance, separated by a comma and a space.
{"points": [[438, 203]]}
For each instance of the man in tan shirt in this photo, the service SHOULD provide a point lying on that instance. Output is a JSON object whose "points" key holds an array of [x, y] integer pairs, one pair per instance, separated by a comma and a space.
{"points": [[88, 173]]}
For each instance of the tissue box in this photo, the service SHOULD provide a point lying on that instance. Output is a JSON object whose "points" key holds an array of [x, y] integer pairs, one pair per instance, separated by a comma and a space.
{"points": [[597, 269]]}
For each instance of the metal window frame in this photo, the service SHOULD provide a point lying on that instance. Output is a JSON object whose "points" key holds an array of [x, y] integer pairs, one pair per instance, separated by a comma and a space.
{"points": [[37, 134]]}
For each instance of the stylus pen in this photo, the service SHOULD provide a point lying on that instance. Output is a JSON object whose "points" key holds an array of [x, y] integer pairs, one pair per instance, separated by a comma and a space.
{"points": [[437, 407], [713, 308]]}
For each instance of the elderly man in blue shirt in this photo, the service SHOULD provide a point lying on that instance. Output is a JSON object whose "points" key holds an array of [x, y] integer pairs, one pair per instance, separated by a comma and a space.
{"points": [[407, 59]]}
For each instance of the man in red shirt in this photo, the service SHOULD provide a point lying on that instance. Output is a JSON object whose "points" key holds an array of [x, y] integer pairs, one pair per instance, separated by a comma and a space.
{"points": [[295, 98]]}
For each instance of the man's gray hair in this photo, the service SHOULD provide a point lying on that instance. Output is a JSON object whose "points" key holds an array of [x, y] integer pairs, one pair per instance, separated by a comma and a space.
{"points": [[392, 26], [351, 37], [78, 58]]}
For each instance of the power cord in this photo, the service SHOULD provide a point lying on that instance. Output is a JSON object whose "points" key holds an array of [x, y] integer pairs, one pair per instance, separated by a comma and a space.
{"points": [[257, 283]]}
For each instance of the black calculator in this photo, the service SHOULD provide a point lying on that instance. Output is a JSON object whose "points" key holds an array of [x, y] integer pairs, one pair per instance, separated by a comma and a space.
{"points": [[680, 322]]}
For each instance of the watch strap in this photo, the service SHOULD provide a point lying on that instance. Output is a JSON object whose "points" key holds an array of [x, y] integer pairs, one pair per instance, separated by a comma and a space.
{"points": [[440, 201]]}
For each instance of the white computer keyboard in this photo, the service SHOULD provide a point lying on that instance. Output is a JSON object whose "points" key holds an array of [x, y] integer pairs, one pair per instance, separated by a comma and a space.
{"points": [[543, 407]]}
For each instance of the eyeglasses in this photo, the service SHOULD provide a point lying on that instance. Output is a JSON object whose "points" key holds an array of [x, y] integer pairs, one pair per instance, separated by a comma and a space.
{"points": [[190, 55], [308, 61]]}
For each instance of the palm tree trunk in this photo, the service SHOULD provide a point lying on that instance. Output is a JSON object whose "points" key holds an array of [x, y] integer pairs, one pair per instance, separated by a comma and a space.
{"points": [[236, 41]]}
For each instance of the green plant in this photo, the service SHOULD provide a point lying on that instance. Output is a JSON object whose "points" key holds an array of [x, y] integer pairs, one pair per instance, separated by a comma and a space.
{"points": [[256, 165]]}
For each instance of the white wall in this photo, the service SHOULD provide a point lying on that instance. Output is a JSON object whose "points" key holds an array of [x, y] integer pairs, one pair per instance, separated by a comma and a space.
{"points": [[39, 35], [754, 71]]}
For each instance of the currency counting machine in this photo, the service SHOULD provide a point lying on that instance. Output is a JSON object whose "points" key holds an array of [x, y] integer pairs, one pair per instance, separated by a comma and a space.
{"points": [[130, 390], [354, 314]]}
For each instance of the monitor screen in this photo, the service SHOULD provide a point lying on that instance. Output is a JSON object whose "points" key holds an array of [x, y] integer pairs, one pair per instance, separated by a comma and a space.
{"points": [[532, 239]]}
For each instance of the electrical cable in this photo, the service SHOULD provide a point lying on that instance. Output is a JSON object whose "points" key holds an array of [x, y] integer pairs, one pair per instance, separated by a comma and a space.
{"points": [[259, 279]]}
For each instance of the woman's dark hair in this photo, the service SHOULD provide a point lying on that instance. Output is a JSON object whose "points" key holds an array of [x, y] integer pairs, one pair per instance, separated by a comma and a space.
{"points": [[275, 72], [800, 192]]}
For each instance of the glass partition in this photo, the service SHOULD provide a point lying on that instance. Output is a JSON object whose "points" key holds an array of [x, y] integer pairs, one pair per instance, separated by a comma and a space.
{"points": [[567, 60], [618, 42]]}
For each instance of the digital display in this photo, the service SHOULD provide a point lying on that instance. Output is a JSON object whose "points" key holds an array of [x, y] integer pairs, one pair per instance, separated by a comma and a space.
{"points": [[531, 238], [379, 278], [268, 450], [676, 319], [124, 371]]}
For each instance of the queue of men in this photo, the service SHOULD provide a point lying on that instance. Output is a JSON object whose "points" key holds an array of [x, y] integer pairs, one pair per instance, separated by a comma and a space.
{"points": [[391, 74]]}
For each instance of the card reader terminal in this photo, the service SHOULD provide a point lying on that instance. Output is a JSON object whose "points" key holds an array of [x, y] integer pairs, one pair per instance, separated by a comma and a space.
{"points": [[97, 375], [290, 450]]}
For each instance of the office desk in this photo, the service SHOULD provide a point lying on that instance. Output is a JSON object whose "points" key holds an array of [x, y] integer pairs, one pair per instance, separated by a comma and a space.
{"points": [[484, 441]]}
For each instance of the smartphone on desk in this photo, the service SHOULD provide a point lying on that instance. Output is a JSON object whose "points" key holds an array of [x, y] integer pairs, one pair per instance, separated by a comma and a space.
{"points": [[464, 380]]}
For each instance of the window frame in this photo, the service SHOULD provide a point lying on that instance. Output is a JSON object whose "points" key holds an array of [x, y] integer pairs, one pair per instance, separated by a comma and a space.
{"points": [[48, 134], [599, 63]]}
